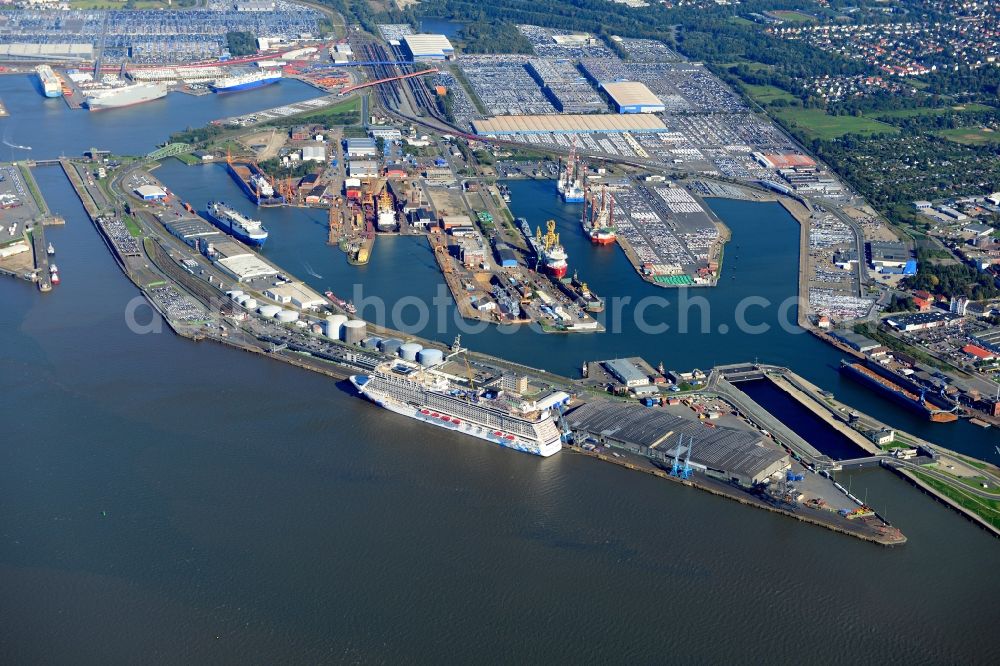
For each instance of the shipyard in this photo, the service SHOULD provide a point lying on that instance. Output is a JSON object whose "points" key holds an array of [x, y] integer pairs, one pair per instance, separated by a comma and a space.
{"points": [[380, 160], [421, 298]]}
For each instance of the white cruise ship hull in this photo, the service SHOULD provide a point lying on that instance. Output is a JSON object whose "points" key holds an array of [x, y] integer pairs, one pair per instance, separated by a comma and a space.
{"points": [[506, 440]]}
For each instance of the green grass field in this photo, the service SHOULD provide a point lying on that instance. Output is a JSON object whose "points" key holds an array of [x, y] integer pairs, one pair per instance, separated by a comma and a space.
{"points": [[818, 124], [988, 510], [791, 16], [764, 95], [971, 136], [132, 225], [910, 113]]}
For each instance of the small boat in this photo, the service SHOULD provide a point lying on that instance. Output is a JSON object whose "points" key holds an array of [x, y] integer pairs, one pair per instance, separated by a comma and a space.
{"points": [[54, 278], [53, 269], [51, 250]]}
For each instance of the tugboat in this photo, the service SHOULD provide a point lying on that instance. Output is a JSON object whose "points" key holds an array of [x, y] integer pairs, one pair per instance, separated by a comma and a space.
{"points": [[553, 257], [54, 274]]}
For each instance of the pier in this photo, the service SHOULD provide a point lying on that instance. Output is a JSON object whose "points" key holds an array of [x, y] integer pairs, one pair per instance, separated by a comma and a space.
{"points": [[39, 249]]}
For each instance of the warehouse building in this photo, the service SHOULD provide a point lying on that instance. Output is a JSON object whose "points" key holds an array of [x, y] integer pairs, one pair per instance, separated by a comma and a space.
{"points": [[239, 262], [428, 47], [741, 456], [632, 97], [295, 294], [361, 147], [626, 372], [151, 193], [190, 229], [855, 341], [362, 168], [594, 123], [314, 153]]}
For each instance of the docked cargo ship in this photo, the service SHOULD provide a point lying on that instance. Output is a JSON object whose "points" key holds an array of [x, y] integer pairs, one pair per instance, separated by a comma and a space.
{"points": [[246, 81], [254, 183], [236, 224], [553, 256], [491, 414], [51, 85], [599, 225], [933, 407], [115, 98]]}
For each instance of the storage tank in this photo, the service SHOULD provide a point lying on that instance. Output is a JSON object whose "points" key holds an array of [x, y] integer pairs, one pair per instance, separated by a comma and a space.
{"points": [[269, 310], [354, 331], [429, 357], [333, 325], [249, 303], [409, 351], [286, 316], [390, 345], [371, 343], [234, 294]]}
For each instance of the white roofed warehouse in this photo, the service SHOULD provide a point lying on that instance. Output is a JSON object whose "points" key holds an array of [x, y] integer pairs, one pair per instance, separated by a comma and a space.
{"points": [[632, 97], [428, 47]]}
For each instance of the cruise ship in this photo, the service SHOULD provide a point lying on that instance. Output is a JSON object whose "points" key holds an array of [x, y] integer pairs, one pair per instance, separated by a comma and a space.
{"points": [[126, 96], [236, 224], [51, 85], [246, 81], [420, 393]]}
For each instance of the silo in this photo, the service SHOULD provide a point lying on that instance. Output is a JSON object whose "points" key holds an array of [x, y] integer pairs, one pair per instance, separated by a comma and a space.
{"points": [[286, 316], [269, 310], [333, 325], [354, 331], [409, 351], [249, 303], [371, 342], [390, 346], [429, 357], [234, 294]]}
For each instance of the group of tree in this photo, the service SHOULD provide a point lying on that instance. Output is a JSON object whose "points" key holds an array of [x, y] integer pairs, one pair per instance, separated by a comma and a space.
{"points": [[241, 43], [952, 280]]}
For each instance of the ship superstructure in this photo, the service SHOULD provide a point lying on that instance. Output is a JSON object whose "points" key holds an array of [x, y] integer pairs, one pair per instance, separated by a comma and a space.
{"points": [[246, 81], [386, 220], [236, 224], [51, 85], [494, 415], [137, 93], [599, 224], [569, 185], [553, 255]]}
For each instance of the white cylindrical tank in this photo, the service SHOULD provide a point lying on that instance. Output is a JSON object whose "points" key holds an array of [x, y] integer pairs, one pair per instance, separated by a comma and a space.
{"points": [[354, 331], [249, 303], [234, 294], [286, 316], [333, 326], [409, 351], [269, 310], [429, 357]]}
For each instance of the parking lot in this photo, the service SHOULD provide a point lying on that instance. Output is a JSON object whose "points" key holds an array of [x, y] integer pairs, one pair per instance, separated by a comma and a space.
{"points": [[504, 86]]}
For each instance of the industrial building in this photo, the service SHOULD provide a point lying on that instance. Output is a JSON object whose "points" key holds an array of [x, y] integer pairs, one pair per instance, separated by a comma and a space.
{"points": [[855, 341], [920, 321], [190, 229], [428, 47], [151, 193], [725, 453], [595, 123], [361, 147], [888, 254], [239, 262], [626, 372], [362, 168], [296, 294], [314, 153], [632, 97], [58, 51]]}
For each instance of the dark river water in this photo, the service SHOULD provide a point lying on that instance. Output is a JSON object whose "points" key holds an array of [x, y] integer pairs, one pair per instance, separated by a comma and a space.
{"points": [[163, 500]]}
